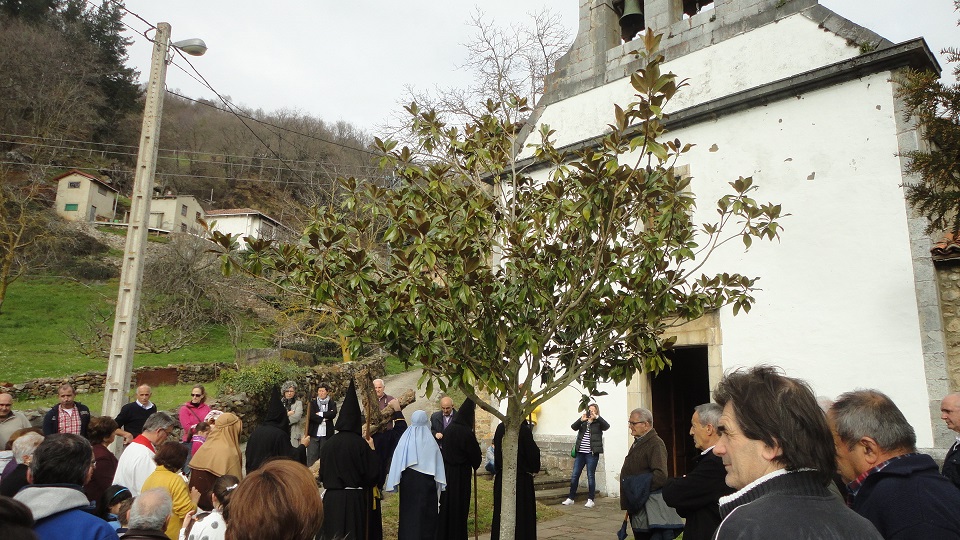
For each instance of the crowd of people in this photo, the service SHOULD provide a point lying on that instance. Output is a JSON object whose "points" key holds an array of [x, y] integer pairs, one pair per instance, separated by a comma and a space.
{"points": [[775, 461]]}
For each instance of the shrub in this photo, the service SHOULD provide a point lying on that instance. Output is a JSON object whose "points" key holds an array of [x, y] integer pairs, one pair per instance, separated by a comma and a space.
{"points": [[260, 377]]}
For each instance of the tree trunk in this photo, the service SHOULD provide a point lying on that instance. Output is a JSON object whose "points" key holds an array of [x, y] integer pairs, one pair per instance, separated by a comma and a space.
{"points": [[508, 493]]}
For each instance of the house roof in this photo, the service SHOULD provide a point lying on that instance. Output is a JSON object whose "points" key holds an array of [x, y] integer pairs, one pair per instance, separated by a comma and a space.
{"points": [[86, 175], [947, 249], [241, 212]]}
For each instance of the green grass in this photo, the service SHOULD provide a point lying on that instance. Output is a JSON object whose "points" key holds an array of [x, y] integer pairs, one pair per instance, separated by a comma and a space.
{"points": [[391, 510], [39, 312], [165, 397]]}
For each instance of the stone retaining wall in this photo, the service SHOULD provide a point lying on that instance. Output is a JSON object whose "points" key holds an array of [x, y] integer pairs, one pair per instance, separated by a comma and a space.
{"points": [[93, 381]]}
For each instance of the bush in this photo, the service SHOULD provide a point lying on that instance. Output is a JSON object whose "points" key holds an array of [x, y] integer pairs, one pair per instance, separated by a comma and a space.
{"points": [[90, 269], [260, 377]]}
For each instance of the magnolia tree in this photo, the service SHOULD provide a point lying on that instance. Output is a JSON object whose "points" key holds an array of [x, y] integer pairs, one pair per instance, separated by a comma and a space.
{"points": [[495, 282]]}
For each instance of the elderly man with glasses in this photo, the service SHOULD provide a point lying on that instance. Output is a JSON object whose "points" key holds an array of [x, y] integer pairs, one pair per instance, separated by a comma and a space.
{"points": [[136, 463], [647, 455]]}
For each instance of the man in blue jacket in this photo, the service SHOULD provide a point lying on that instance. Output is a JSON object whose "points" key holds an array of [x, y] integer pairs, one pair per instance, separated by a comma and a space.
{"points": [[61, 465], [899, 490]]}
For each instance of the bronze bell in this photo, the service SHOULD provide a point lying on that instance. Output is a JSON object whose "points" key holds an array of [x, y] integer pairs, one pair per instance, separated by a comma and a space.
{"points": [[631, 22]]}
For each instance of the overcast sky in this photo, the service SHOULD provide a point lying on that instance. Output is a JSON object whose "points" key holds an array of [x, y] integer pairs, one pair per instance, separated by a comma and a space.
{"points": [[350, 60]]}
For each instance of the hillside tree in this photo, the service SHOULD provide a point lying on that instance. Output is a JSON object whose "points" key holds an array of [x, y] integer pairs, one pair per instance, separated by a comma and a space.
{"points": [[497, 282]]}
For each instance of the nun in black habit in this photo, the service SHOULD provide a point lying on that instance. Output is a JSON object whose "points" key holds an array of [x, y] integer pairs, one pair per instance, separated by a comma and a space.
{"points": [[461, 457], [271, 439], [528, 464], [349, 470]]}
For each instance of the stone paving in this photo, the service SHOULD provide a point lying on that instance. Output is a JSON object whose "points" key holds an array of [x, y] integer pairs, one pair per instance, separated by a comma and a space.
{"points": [[578, 523]]}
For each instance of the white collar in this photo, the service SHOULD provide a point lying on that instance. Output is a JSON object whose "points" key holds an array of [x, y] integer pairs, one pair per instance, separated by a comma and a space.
{"points": [[149, 404], [751, 485], [705, 452]]}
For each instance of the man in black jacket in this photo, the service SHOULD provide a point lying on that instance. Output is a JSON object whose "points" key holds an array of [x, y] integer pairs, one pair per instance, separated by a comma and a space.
{"points": [[442, 418], [69, 416], [950, 414], [133, 415], [320, 414], [695, 495]]}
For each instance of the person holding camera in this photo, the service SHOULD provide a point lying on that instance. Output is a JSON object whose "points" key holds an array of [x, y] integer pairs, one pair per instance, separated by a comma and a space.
{"points": [[589, 427]]}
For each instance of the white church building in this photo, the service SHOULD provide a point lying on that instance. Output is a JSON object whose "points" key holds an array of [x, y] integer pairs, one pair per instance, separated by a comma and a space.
{"points": [[802, 100]]}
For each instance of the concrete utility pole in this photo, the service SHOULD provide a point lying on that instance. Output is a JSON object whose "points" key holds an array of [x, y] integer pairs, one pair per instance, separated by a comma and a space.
{"points": [[120, 366]]}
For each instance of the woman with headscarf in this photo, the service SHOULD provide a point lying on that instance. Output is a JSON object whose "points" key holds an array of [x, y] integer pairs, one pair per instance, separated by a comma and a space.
{"points": [[417, 468], [219, 455], [294, 410], [349, 471], [271, 439], [461, 457]]}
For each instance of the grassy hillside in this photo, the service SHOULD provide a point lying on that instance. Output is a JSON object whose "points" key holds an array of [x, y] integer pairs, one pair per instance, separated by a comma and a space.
{"points": [[40, 312]]}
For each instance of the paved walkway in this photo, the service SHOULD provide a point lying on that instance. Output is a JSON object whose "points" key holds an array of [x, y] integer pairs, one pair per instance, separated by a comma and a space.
{"points": [[578, 523]]}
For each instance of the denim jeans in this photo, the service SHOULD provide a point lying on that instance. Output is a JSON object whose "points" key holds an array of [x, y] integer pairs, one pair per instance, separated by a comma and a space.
{"points": [[590, 460]]}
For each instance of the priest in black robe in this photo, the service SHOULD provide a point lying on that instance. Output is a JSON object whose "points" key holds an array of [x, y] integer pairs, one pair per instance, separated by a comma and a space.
{"points": [[349, 470], [271, 439], [528, 464], [461, 458]]}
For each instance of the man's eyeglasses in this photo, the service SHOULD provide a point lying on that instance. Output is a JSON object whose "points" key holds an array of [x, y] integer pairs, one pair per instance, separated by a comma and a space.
{"points": [[635, 423]]}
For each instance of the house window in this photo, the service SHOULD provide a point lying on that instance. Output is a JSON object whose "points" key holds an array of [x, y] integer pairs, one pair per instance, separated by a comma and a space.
{"points": [[73, 185], [183, 227], [71, 207], [198, 216], [183, 210], [101, 190]]}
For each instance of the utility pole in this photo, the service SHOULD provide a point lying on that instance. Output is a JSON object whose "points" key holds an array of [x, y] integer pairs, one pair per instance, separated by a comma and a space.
{"points": [[120, 363]]}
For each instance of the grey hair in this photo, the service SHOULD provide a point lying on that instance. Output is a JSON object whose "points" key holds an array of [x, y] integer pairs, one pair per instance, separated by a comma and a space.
{"points": [[288, 386], [160, 420], [644, 414], [150, 510], [709, 414], [871, 413], [25, 445]]}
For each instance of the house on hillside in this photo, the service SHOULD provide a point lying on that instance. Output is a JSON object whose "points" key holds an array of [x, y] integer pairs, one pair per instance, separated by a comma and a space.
{"points": [[244, 222], [84, 197], [802, 100], [176, 213]]}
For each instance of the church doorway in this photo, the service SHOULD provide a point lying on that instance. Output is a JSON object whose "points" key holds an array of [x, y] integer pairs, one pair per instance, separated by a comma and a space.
{"points": [[674, 394]]}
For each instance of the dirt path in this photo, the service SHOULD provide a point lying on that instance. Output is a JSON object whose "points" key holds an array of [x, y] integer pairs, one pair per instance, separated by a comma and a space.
{"points": [[398, 384]]}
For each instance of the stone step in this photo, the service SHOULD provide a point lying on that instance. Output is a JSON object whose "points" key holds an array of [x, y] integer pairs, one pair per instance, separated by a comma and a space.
{"points": [[544, 481], [558, 495]]}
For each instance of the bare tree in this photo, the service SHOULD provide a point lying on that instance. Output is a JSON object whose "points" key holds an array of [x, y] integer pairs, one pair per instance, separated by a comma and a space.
{"points": [[24, 225], [506, 63]]}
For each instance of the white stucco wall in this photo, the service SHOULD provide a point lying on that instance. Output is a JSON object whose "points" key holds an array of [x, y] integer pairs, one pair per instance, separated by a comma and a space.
{"points": [[86, 196], [242, 225], [769, 53], [838, 306]]}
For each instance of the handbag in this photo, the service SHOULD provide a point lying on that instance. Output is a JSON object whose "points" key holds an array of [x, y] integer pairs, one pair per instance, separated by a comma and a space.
{"points": [[573, 451]]}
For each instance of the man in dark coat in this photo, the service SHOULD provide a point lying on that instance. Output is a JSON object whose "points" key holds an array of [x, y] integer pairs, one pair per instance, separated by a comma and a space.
{"points": [[899, 490], [442, 418], [461, 458], [528, 464], [696, 495], [349, 471], [69, 416], [320, 414], [950, 414], [271, 439]]}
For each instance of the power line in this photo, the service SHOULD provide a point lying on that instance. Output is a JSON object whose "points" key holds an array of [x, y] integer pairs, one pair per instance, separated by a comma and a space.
{"points": [[159, 174], [6, 138]]}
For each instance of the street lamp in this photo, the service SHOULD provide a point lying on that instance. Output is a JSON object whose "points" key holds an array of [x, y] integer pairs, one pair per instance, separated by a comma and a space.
{"points": [[120, 362]]}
